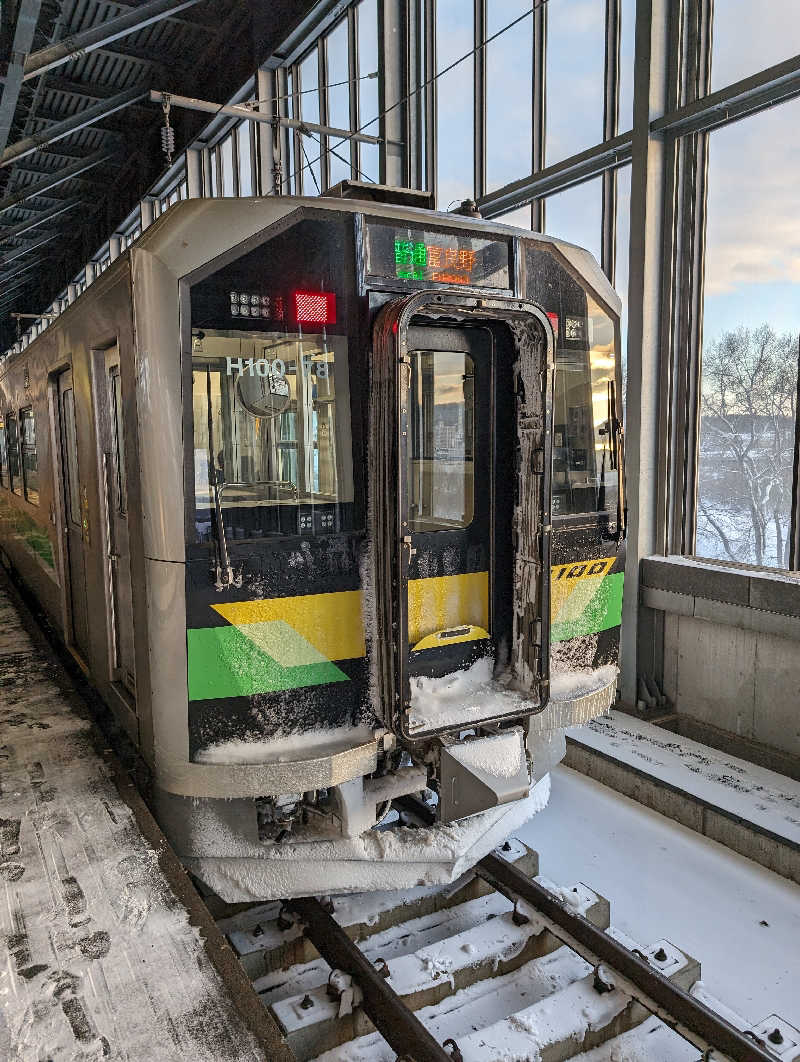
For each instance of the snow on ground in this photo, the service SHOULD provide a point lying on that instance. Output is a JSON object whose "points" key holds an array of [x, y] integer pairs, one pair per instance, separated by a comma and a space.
{"points": [[98, 957], [770, 800], [664, 880]]}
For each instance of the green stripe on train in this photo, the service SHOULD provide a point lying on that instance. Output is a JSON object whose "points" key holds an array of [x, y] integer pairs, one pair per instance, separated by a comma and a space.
{"points": [[225, 662], [600, 613]]}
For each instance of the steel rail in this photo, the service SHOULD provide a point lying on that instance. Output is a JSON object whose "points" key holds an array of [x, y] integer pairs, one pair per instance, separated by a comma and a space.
{"points": [[398, 1025], [689, 1017]]}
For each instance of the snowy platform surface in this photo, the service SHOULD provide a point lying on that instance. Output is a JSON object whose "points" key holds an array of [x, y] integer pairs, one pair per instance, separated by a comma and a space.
{"points": [[740, 920], [769, 801], [98, 957]]}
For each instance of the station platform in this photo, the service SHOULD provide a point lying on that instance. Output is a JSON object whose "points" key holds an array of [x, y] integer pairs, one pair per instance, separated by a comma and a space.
{"points": [[748, 808], [107, 954]]}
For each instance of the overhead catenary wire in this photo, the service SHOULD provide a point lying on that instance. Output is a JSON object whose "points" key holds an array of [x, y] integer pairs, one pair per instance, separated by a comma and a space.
{"points": [[317, 88], [430, 81]]}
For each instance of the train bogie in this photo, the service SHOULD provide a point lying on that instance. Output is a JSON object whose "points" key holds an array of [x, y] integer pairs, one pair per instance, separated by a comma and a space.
{"points": [[326, 498]]}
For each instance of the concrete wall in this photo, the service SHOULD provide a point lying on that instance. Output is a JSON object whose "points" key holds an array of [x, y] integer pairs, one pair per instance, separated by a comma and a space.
{"points": [[726, 651]]}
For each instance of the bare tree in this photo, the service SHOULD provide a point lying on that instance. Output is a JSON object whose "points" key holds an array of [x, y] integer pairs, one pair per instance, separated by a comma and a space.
{"points": [[748, 408]]}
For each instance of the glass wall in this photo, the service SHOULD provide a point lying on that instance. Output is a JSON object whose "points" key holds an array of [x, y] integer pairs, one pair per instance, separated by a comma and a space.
{"points": [[454, 95], [367, 16], [509, 72], [336, 78], [575, 77], [751, 321], [749, 37], [574, 215]]}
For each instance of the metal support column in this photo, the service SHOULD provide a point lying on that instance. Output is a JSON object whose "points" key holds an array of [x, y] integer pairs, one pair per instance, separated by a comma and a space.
{"points": [[643, 407], [391, 60], [538, 109], [266, 134], [479, 100], [430, 97], [610, 123]]}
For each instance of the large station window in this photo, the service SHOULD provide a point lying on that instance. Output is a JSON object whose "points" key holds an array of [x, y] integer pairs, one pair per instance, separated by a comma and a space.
{"points": [[748, 389], [455, 38], [272, 446], [575, 77], [748, 37], [442, 417], [30, 460], [584, 459]]}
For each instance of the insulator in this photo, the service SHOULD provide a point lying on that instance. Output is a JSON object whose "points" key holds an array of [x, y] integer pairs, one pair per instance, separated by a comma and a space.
{"points": [[168, 141]]}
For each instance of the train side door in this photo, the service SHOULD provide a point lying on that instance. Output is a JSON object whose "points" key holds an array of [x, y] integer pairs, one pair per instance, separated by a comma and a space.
{"points": [[114, 499], [76, 530]]}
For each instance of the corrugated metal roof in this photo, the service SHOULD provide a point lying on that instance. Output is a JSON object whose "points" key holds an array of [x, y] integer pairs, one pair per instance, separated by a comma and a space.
{"points": [[172, 54]]}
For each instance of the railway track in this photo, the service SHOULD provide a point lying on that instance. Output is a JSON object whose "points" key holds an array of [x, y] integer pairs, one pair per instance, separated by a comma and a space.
{"points": [[501, 966]]}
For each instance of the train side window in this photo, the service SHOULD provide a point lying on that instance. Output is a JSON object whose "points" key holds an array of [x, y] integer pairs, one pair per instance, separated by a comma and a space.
{"points": [[30, 460], [272, 443], [71, 447], [584, 463], [442, 420], [15, 480], [120, 477], [3, 454]]}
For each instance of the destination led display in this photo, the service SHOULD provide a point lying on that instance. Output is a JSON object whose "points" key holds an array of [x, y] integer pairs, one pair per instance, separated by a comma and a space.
{"points": [[405, 253]]}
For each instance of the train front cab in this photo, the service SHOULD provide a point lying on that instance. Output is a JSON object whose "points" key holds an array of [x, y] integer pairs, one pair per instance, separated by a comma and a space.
{"points": [[368, 535]]}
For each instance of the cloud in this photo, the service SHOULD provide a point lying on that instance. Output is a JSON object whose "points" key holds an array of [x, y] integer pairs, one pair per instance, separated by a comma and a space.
{"points": [[753, 223]]}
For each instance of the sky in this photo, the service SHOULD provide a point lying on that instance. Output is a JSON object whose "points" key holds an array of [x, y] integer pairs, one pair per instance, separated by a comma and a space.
{"points": [[753, 224]]}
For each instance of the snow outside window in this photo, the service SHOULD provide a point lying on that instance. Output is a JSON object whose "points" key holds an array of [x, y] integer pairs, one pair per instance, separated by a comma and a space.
{"points": [[748, 394]]}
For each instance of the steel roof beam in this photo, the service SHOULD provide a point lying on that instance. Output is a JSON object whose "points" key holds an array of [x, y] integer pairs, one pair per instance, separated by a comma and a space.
{"points": [[27, 17], [13, 231], [36, 188], [83, 89], [97, 36], [191, 23], [4, 277], [86, 117]]}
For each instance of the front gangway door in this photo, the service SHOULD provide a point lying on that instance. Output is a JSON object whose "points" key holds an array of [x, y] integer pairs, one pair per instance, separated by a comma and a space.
{"points": [[459, 475]]}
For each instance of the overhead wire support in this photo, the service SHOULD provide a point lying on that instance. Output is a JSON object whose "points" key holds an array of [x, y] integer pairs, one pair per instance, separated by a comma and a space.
{"points": [[237, 110]]}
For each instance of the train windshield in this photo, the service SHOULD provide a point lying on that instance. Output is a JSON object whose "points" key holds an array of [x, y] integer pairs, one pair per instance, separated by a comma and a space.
{"points": [[272, 443]]}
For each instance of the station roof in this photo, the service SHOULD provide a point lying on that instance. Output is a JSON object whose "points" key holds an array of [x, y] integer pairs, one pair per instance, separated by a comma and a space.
{"points": [[79, 140]]}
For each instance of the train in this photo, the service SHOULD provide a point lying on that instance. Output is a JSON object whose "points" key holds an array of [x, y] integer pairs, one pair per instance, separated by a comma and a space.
{"points": [[326, 498]]}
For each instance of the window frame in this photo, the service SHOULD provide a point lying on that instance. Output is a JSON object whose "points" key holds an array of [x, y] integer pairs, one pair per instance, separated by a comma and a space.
{"points": [[28, 414]]}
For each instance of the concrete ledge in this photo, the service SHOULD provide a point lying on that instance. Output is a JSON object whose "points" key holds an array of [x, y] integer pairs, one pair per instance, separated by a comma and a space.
{"points": [[771, 592], [769, 849]]}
